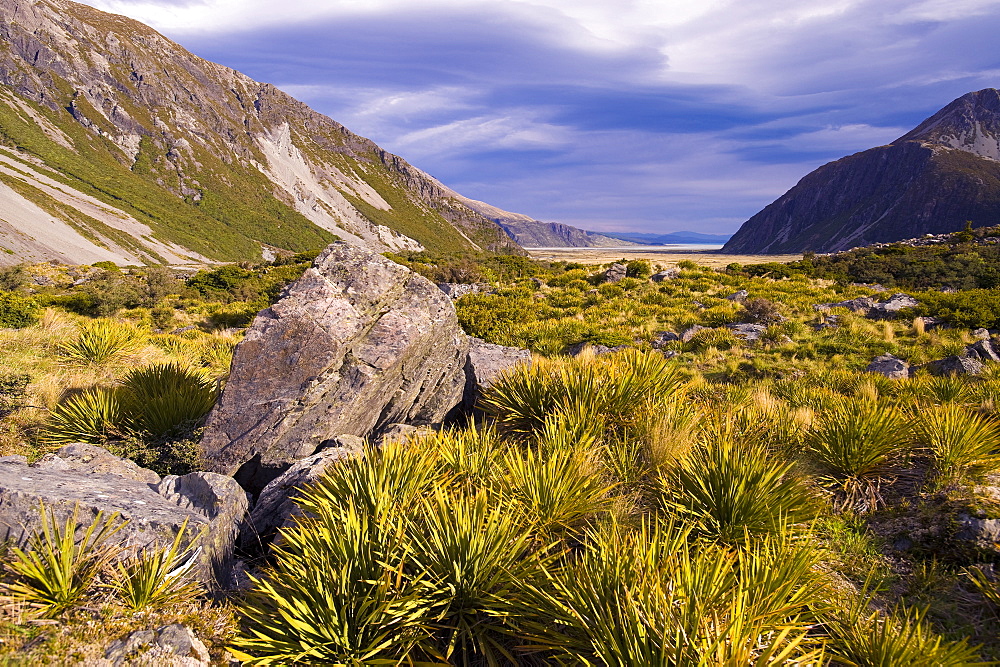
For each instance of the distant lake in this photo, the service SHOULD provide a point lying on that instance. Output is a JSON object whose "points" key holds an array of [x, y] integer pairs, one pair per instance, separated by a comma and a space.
{"points": [[676, 247]]}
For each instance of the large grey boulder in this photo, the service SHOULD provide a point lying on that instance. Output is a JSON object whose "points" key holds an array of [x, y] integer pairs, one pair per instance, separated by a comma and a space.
{"points": [[484, 365], [276, 506], [889, 366], [862, 304], [357, 343], [212, 505]]}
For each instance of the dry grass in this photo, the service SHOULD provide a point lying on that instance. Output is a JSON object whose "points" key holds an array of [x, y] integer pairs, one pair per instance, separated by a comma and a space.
{"points": [[666, 258]]}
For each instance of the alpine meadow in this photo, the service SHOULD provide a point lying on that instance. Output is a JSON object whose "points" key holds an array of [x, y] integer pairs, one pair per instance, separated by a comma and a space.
{"points": [[272, 395]]}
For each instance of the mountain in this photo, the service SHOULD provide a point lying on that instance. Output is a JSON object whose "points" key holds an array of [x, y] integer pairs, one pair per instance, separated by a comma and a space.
{"points": [[118, 144], [531, 233], [670, 238], [929, 181]]}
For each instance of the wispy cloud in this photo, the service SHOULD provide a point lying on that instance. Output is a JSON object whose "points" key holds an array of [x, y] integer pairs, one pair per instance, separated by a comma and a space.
{"points": [[641, 114]]}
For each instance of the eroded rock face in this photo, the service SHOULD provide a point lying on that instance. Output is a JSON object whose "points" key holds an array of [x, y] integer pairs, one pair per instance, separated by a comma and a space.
{"points": [[276, 505], [154, 514], [357, 343]]}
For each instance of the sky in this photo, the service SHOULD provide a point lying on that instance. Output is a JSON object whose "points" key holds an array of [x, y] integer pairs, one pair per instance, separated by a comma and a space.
{"points": [[610, 115]]}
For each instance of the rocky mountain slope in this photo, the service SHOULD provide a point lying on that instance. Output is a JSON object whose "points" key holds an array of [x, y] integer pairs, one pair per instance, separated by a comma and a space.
{"points": [[118, 144], [929, 181]]}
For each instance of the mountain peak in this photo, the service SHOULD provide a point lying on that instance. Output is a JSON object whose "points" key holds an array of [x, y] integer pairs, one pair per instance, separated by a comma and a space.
{"points": [[971, 123]]}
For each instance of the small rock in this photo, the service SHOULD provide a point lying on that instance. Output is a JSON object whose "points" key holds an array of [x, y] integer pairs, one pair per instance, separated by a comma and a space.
{"points": [[930, 322], [984, 532], [662, 338], [983, 349], [690, 332], [956, 365], [860, 305], [981, 334], [167, 646], [893, 305], [889, 366], [595, 348], [538, 283], [747, 332], [456, 290], [739, 296], [616, 273], [668, 274]]}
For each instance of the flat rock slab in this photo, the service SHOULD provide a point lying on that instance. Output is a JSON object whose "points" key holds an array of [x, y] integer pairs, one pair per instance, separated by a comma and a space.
{"points": [[153, 519], [357, 343]]}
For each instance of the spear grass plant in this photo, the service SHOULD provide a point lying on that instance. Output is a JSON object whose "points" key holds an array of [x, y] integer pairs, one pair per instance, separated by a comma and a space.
{"points": [[734, 491], [160, 397], [95, 416], [961, 443], [158, 577], [103, 341], [855, 446], [57, 569]]}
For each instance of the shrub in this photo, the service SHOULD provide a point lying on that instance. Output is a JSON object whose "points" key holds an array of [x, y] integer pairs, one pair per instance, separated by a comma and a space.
{"points": [[902, 638], [17, 311], [95, 416], [961, 443], [13, 390], [762, 311], [638, 268], [102, 341], [156, 578]]}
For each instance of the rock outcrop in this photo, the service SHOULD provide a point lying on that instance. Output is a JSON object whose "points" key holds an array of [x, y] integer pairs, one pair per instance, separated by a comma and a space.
{"points": [[166, 646], [889, 366], [929, 181], [357, 343], [485, 363], [213, 506]]}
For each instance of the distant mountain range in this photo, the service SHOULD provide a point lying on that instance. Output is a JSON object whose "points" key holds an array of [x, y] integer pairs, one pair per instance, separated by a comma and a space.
{"points": [[671, 238], [929, 181], [118, 144]]}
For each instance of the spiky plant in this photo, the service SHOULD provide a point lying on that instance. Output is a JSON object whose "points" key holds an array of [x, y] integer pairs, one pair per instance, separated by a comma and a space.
{"points": [[95, 416], [558, 492], [856, 445], [157, 578], [479, 556], [646, 597], [103, 340], [860, 637], [57, 569], [961, 443], [732, 491], [336, 594], [160, 397]]}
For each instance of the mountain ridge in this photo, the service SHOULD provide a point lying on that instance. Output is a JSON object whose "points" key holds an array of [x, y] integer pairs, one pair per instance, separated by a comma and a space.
{"points": [[929, 181], [117, 143]]}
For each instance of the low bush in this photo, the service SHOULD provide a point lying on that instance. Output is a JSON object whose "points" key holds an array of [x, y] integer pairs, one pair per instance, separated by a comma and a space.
{"points": [[102, 341], [18, 311]]}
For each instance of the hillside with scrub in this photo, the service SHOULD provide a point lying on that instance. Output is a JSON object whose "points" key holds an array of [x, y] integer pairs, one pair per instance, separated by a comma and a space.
{"points": [[698, 467]]}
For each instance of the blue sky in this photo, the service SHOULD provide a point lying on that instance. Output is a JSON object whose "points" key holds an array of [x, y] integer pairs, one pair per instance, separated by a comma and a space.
{"points": [[628, 115]]}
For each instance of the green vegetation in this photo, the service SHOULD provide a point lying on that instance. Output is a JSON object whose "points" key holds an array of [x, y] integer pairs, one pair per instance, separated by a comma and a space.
{"points": [[17, 311], [714, 500]]}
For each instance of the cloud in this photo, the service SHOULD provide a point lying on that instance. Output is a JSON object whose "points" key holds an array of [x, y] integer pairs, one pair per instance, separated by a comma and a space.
{"points": [[638, 114]]}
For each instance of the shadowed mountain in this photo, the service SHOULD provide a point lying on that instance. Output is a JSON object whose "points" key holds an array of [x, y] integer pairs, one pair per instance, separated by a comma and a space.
{"points": [[929, 181]]}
